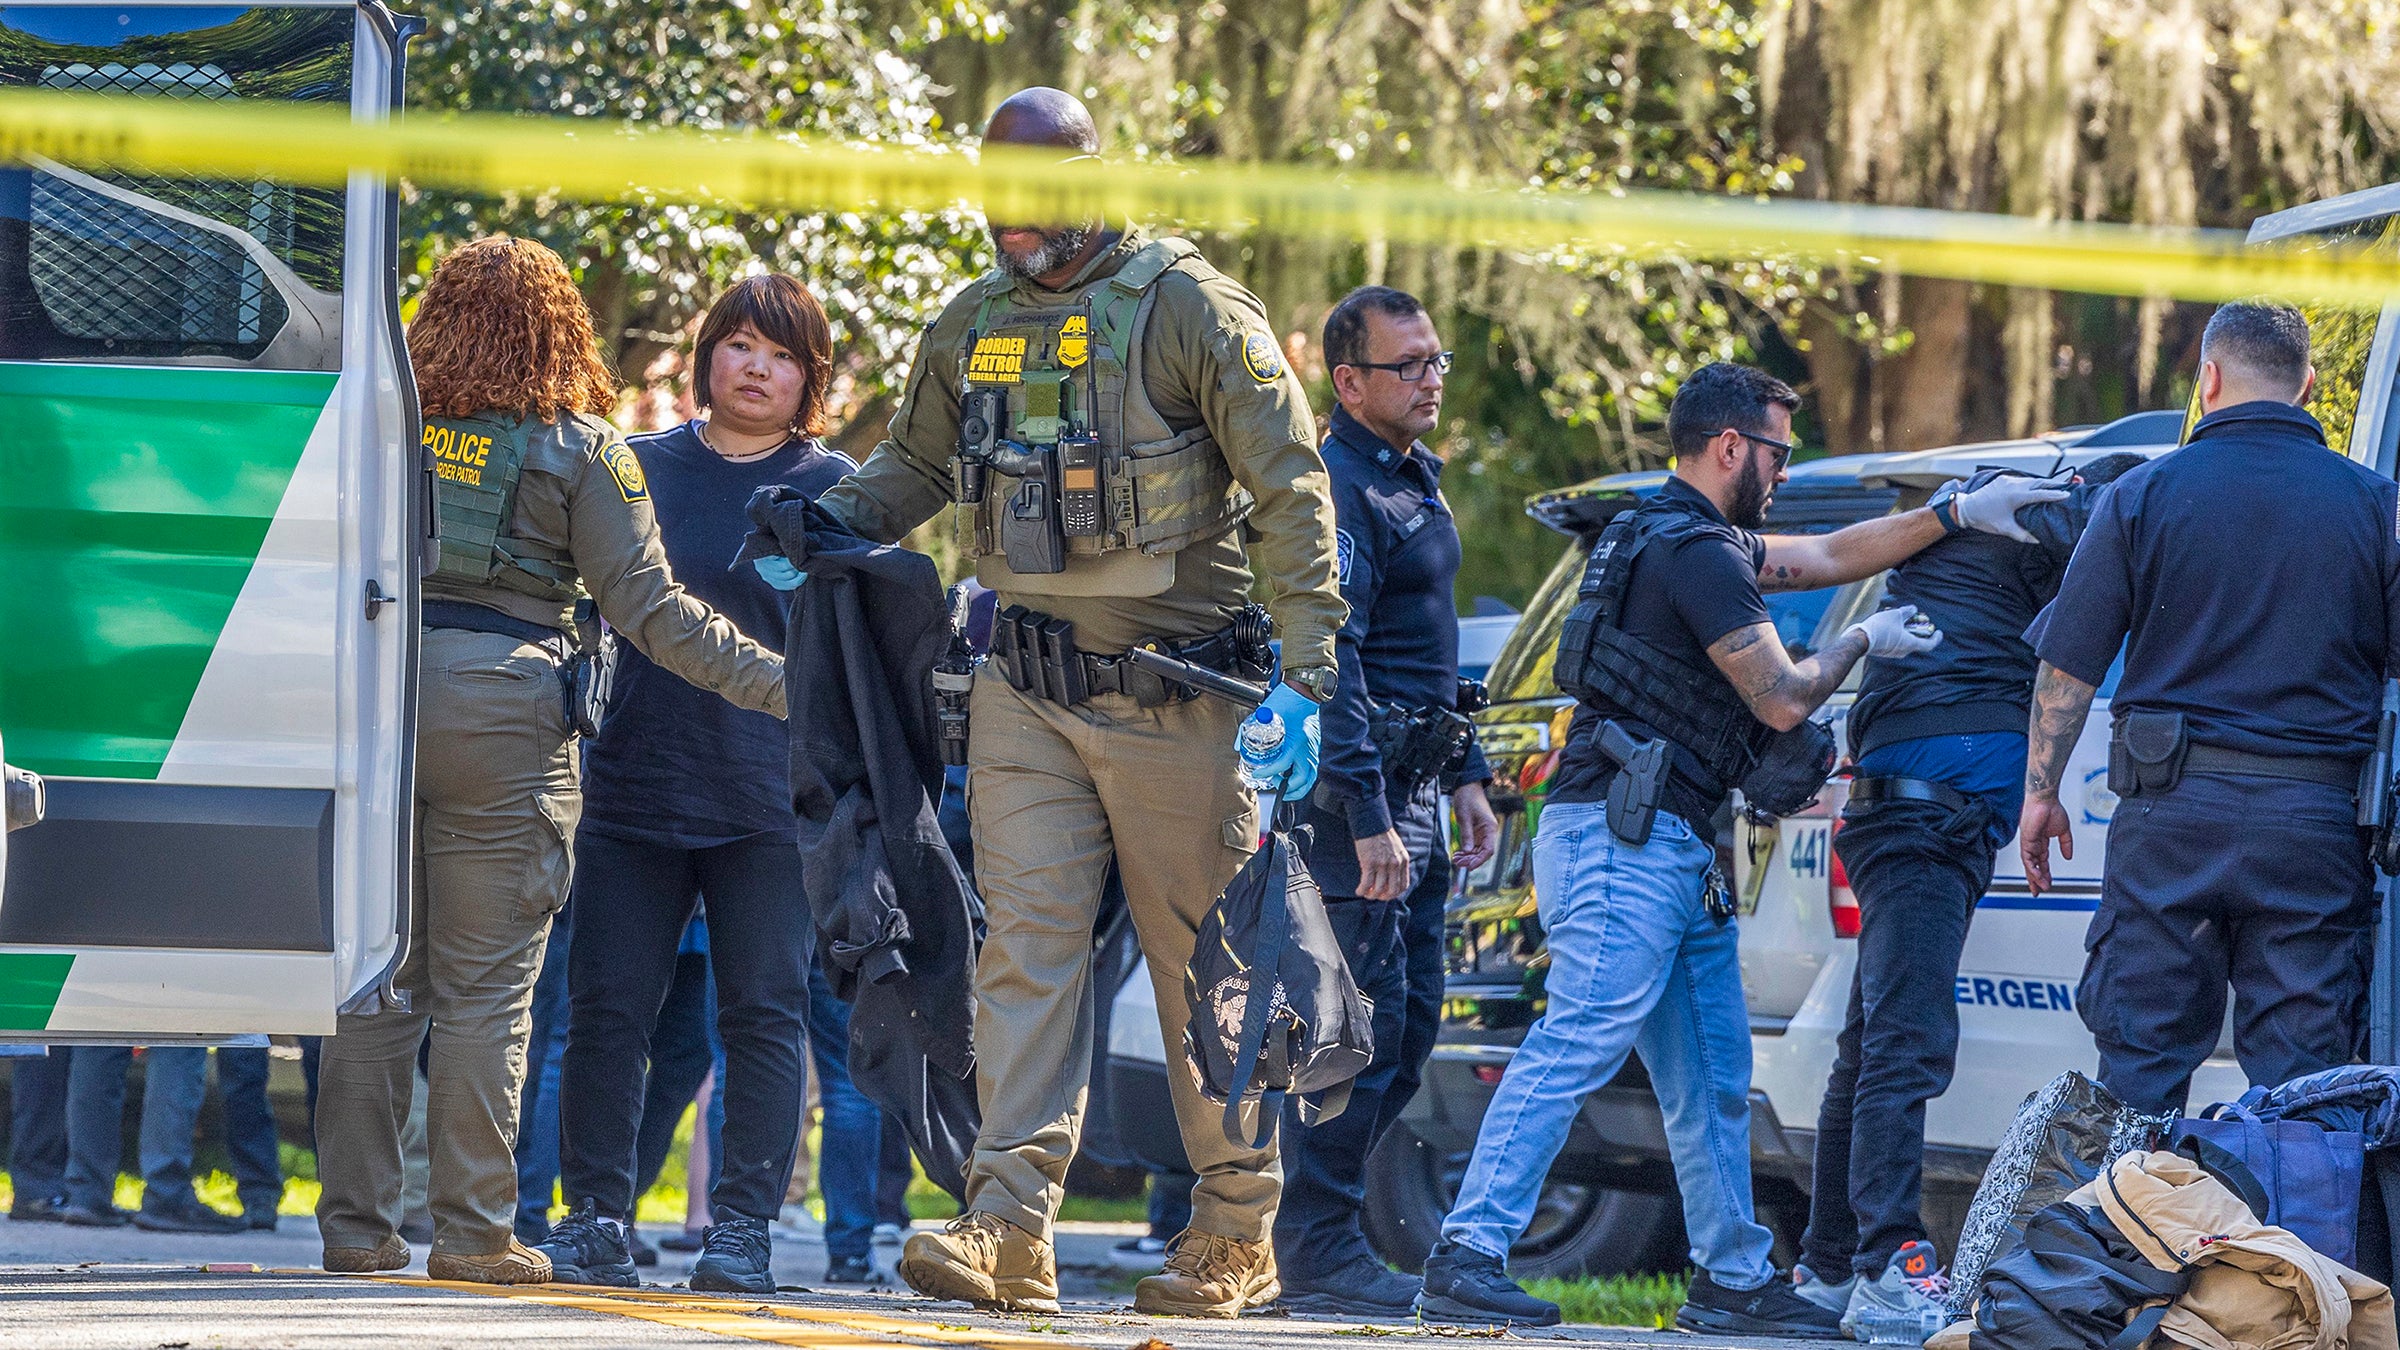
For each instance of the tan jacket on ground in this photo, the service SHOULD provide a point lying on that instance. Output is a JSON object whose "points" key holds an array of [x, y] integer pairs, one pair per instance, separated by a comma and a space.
{"points": [[2254, 1287]]}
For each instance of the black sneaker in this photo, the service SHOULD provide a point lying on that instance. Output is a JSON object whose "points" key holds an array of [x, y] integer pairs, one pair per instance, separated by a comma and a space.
{"points": [[850, 1270], [38, 1208], [1463, 1287], [189, 1217], [587, 1249], [93, 1216], [734, 1252], [1772, 1309], [1362, 1289], [644, 1255]]}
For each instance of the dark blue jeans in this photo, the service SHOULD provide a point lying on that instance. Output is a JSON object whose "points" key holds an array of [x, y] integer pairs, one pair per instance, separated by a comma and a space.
{"points": [[850, 1148], [250, 1134], [174, 1079], [537, 1127], [2260, 882], [1919, 870], [37, 1150]]}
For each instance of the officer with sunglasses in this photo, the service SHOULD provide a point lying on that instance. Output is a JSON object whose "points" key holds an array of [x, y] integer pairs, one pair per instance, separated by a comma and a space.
{"points": [[1377, 850]]}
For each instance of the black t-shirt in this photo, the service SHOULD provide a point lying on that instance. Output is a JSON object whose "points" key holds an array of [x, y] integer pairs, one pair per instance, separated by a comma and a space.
{"points": [[675, 764], [1688, 589], [2254, 581]]}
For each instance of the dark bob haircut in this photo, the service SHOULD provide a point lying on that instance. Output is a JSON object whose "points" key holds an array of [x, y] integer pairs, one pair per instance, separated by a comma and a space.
{"points": [[784, 313]]}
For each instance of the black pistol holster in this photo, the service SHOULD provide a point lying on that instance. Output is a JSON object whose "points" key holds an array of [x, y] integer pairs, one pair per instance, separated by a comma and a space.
{"points": [[954, 680], [1418, 745], [1633, 795], [2146, 751], [2379, 800], [591, 672]]}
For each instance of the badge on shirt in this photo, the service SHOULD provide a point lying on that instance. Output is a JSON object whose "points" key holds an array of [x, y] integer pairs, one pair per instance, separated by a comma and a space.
{"points": [[627, 470], [1264, 359], [1074, 341], [1344, 553]]}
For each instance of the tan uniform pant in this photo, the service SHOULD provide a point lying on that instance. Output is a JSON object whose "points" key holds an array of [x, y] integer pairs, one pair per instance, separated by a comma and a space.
{"points": [[1054, 794], [497, 801]]}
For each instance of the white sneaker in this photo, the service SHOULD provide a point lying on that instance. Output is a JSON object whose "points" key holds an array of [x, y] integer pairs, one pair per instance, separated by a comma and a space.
{"points": [[1903, 1305], [890, 1232], [1831, 1297]]}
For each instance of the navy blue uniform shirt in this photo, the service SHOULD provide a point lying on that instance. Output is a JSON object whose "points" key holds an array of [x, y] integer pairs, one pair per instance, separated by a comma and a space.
{"points": [[1687, 590], [675, 764], [2254, 578], [1396, 557]]}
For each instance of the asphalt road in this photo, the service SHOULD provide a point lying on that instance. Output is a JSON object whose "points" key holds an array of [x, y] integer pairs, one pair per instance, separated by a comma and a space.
{"points": [[76, 1289]]}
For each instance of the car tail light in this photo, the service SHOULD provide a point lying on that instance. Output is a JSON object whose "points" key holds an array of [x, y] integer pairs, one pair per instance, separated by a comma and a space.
{"points": [[1839, 898]]}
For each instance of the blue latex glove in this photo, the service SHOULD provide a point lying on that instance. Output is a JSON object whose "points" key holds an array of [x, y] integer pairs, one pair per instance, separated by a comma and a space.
{"points": [[779, 573], [1295, 761]]}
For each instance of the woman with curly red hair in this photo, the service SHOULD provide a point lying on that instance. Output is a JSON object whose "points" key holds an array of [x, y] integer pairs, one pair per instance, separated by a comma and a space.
{"points": [[540, 502]]}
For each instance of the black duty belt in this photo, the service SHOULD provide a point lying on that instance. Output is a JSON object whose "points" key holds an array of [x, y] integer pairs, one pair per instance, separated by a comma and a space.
{"points": [[2331, 770], [1875, 791], [474, 618], [1037, 654]]}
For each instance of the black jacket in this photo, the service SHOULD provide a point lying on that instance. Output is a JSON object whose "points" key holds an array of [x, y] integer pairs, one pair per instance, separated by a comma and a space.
{"points": [[1981, 590], [896, 919]]}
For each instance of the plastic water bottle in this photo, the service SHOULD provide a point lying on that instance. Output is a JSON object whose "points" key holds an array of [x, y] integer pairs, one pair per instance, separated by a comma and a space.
{"points": [[1260, 741]]}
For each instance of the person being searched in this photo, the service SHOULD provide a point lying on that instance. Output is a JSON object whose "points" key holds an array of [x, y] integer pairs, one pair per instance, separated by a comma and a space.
{"points": [[2253, 581], [539, 498], [1115, 419], [1378, 848], [1684, 686], [687, 797], [1939, 739]]}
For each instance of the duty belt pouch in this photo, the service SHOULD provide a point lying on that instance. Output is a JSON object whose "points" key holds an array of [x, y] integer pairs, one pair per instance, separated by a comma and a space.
{"points": [[2146, 752], [1039, 656]]}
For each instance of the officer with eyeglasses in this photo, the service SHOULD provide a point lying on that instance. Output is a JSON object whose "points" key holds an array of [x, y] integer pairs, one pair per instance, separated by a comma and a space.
{"points": [[1389, 753]]}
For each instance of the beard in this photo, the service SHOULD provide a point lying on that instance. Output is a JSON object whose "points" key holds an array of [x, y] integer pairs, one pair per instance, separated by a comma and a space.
{"points": [[1750, 497], [1058, 248]]}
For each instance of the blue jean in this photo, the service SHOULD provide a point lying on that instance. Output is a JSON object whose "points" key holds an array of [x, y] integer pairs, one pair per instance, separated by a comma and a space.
{"points": [[850, 1149], [174, 1079], [1636, 963], [37, 1156], [251, 1139]]}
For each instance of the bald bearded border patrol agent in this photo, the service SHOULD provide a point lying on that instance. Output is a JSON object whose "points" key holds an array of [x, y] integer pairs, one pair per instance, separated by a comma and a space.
{"points": [[539, 498], [1108, 410]]}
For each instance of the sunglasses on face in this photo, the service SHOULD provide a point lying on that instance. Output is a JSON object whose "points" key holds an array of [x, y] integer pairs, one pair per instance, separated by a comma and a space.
{"points": [[1409, 371], [1783, 449]]}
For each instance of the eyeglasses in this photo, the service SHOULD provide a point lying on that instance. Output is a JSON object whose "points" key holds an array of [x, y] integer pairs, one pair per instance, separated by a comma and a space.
{"points": [[1784, 450], [1410, 371]]}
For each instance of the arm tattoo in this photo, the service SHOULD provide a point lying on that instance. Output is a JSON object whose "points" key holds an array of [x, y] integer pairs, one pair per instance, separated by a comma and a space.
{"points": [[1769, 682], [2061, 705]]}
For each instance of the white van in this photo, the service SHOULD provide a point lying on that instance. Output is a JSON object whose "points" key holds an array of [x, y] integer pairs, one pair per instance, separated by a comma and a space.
{"points": [[209, 543]]}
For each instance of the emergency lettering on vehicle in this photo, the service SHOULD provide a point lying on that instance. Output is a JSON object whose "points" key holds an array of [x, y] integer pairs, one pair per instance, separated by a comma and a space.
{"points": [[2008, 991], [997, 360], [457, 458]]}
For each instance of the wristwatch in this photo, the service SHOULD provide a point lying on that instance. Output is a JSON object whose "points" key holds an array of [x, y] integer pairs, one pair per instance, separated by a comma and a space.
{"points": [[1314, 681], [1945, 507]]}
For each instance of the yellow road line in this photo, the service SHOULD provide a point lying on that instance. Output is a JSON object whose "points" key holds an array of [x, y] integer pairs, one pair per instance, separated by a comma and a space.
{"points": [[593, 158], [826, 1329]]}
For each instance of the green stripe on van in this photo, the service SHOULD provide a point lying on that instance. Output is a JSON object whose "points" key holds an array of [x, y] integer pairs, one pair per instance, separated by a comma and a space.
{"points": [[133, 501], [29, 986]]}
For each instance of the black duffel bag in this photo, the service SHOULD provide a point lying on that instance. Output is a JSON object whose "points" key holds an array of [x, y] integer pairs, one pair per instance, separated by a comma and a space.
{"points": [[1312, 1032]]}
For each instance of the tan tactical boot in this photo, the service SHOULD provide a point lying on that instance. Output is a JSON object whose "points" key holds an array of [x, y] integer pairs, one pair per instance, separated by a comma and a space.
{"points": [[985, 1260], [392, 1255], [1209, 1275], [516, 1264]]}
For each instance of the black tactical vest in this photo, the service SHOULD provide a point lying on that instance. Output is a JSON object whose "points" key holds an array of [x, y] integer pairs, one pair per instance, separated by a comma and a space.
{"points": [[1693, 706]]}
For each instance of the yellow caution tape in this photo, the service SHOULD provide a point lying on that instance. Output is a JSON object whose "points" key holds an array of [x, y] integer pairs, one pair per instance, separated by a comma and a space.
{"points": [[602, 160]]}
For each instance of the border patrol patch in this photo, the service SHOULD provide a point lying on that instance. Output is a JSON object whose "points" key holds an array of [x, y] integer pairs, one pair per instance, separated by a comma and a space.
{"points": [[1074, 341], [1263, 358], [627, 470], [996, 360], [1345, 552]]}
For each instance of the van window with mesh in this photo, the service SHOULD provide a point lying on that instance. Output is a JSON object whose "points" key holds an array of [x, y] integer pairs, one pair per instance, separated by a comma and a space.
{"points": [[102, 265]]}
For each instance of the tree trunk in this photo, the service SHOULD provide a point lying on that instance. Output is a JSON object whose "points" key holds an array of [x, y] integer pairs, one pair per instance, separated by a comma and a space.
{"points": [[1919, 392]]}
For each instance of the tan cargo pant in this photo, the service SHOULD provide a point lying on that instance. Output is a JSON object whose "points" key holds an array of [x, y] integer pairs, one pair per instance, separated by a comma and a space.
{"points": [[497, 801], [1054, 794]]}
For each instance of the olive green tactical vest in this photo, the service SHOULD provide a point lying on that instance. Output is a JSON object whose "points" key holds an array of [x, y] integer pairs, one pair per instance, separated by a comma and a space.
{"points": [[477, 462], [1077, 366]]}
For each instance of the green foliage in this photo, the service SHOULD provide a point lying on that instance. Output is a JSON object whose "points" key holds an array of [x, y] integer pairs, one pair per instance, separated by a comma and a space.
{"points": [[1619, 1301]]}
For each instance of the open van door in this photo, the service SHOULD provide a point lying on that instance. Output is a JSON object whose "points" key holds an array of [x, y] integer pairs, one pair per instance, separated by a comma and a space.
{"points": [[211, 510]]}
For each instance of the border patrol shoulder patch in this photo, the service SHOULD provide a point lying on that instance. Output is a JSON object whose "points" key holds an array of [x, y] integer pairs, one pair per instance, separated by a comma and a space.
{"points": [[1263, 358], [626, 468], [1345, 552]]}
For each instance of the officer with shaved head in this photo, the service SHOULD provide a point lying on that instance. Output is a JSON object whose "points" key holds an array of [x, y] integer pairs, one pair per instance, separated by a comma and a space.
{"points": [[1110, 416]]}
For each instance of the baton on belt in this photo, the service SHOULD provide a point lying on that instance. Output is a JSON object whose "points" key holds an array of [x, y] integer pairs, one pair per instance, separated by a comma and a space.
{"points": [[1179, 671]]}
